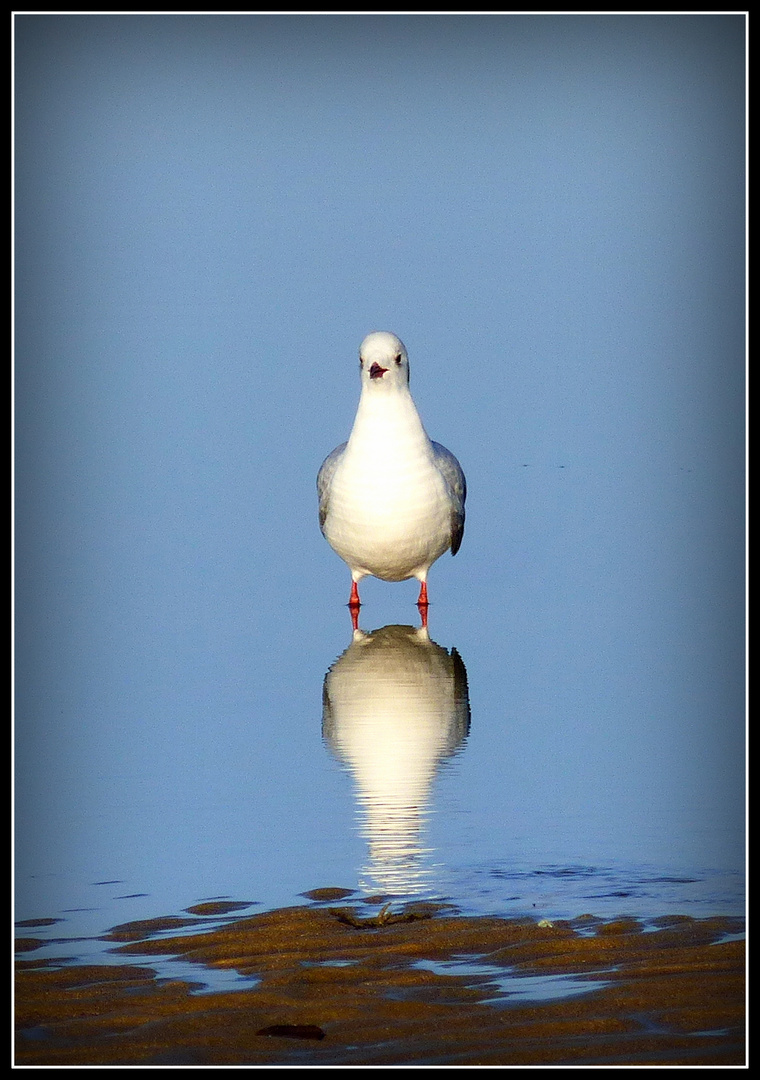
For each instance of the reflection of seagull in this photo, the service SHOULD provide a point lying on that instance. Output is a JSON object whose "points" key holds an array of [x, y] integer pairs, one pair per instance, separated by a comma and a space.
{"points": [[395, 705], [390, 500]]}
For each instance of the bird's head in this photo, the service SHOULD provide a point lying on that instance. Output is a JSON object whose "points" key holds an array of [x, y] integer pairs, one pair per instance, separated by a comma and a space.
{"points": [[383, 360]]}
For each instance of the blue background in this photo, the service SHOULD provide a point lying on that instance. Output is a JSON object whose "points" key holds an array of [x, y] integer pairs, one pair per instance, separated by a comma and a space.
{"points": [[211, 213]]}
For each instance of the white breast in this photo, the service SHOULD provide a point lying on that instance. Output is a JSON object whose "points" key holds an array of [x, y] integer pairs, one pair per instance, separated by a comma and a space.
{"points": [[389, 505]]}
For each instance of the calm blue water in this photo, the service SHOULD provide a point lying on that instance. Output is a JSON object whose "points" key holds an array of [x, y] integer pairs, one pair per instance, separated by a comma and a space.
{"points": [[517, 765], [556, 232]]}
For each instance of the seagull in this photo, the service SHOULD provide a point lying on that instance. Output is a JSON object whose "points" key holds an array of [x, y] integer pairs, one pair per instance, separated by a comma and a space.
{"points": [[391, 501]]}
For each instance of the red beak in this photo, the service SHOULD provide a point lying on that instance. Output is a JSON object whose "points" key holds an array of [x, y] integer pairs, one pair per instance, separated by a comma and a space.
{"points": [[377, 372]]}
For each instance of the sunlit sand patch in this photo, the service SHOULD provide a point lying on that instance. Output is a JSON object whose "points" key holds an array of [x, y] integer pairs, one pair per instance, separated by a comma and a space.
{"points": [[393, 984]]}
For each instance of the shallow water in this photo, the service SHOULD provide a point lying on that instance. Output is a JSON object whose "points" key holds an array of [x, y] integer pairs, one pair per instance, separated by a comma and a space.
{"points": [[411, 783], [522, 987]]}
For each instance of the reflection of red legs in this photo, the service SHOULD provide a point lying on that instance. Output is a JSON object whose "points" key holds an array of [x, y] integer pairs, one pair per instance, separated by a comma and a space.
{"points": [[422, 603], [354, 604]]}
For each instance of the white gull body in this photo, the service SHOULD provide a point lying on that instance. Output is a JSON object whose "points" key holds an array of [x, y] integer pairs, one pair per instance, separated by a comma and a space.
{"points": [[391, 501]]}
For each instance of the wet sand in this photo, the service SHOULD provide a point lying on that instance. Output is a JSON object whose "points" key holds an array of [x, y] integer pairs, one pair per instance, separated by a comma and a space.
{"points": [[367, 985]]}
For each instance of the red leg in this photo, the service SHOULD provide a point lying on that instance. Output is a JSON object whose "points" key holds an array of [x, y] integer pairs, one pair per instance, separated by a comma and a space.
{"points": [[354, 604], [422, 604]]}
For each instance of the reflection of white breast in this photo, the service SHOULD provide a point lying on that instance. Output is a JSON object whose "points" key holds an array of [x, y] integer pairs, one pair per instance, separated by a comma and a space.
{"points": [[395, 706]]}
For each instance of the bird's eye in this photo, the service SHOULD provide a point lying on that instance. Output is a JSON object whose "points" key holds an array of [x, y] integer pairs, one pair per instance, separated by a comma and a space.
{"points": [[398, 358]]}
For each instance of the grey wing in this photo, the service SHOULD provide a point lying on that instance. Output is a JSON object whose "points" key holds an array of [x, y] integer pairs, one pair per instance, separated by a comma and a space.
{"points": [[452, 473], [324, 479]]}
